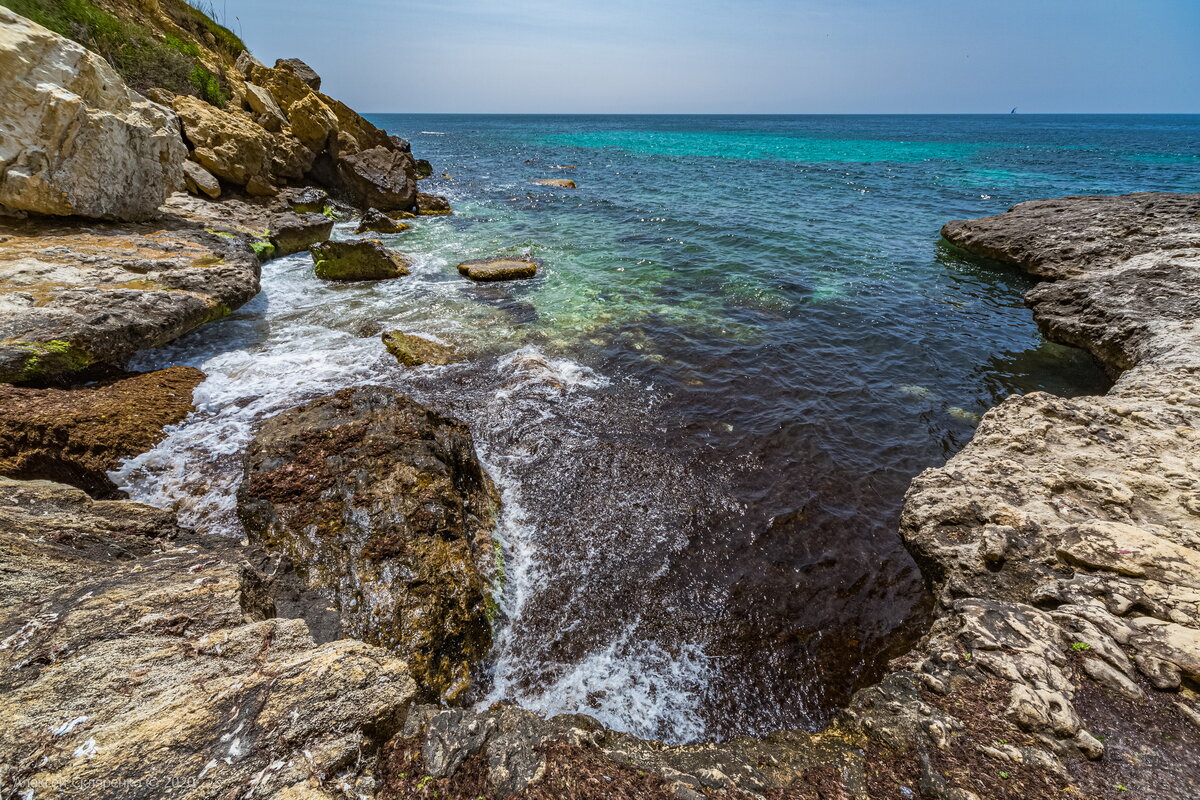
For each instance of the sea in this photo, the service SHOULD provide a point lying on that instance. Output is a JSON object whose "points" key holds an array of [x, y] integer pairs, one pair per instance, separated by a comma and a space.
{"points": [[745, 340]]}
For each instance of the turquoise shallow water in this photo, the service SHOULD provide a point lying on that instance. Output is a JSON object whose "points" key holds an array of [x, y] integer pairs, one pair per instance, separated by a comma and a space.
{"points": [[745, 342]]}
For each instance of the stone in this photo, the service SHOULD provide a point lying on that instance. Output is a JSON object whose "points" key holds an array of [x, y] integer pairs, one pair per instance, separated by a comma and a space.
{"points": [[360, 134], [309, 200], [142, 649], [376, 178], [229, 144], [75, 297], [424, 168], [357, 260], [80, 435], [77, 140], [200, 181], [383, 507], [302, 71], [1125, 549], [262, 103], [433, 205], [377, 222], [498, 269], [416, 351], [313, 123], [294, 233], [557, 183]]}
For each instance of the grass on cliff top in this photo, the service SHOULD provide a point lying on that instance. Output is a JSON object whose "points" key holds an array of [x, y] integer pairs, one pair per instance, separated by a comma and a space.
{"points": [[144, 58]]}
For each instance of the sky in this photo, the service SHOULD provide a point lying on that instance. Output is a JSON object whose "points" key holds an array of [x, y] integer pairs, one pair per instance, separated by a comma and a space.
{"points": [[738, 56]]}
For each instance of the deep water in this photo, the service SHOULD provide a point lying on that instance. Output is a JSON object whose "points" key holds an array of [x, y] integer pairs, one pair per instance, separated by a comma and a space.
{"points": [[703, 414]]}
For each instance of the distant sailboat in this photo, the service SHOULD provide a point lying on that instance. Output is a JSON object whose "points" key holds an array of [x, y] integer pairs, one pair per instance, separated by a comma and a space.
{"points": [[1014, 110]]}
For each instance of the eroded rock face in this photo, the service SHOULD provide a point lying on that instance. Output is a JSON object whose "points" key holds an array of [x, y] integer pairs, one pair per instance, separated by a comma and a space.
{"points": [[78, 436], [416, 351], [229, 144], [138, 656], [382, 505], [76, 140], [357, 260], [294, 233], [380, 178], [378, 222]]}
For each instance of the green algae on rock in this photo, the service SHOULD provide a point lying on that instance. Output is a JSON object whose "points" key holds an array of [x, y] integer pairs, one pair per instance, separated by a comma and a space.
{"points": [[357, 260], [433, 205], [377, 222], [382, 505], [498, 269], [416, 351]]}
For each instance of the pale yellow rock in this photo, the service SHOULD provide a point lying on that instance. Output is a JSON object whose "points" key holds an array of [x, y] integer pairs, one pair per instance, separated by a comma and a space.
{"points": [[1128, 550], [74, 138], [229, 144]]}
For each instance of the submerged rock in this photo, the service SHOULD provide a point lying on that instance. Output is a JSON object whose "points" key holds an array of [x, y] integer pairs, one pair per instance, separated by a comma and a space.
{"points": [[78, 436], [294, 233], [558, 183], [416, 351], [357, 260], [377, 222], [498, 269], [382, 505], [76, 140]]}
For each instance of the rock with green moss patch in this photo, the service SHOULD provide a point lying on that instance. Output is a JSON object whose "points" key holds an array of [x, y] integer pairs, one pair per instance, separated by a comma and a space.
{"points": [[498, 269], [358, 260], [433, 205], [384, 507], [416, 351]]}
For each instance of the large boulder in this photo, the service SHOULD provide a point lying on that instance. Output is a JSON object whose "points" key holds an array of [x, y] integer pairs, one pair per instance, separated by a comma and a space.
{"points": [[382, 505], [293, 233], [357, 260], [229, 144], [75, 139], [380, 178], [79, 436]]}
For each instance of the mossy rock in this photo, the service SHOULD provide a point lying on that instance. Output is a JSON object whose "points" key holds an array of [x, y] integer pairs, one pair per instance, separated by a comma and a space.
{"points": [[378, 222], [432, 205], [294, 233], [416, 351], [358, 260], [498, 269]]}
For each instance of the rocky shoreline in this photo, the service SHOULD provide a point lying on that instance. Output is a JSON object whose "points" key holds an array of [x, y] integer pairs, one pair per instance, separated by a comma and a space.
{"points": [[324, 657]]}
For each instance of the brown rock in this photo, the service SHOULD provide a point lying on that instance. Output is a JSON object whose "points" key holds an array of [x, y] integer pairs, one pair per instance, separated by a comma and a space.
{"points": [[301, 70], [377, 222], [77, 436], [383, 506], [357, 260], [293, 233], [433, 205], [376, 178], [498, 269], [416, 351], [313, 123], [200, 181], [229, 144], [558, 183]]}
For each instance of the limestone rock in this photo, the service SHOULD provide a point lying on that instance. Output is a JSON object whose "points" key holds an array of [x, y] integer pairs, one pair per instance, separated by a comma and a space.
{"points": [[384, 507], [558, 183], [78, 436], [229, 144], [199, 180], [433, 205], [263, 104], [302, 71], [76, 140], [358, 260], [416, 351], [134, 649], [294, 233], [313, 123], [376, 178], [498, 269]]}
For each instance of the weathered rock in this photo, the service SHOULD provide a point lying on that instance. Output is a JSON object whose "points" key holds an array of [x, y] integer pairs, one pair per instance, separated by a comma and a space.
{"points": [[200, 181], [558, 183], [313, 123], [498, 269], [134, 649], [383, 506], [378, 222], [293, 233], [416, 351], [357, 260], [76, 140], [302, 71], [376, 178], [263, 104], [72, 297], [362, 135], [78, 436], [424, 168], [309, 200], [433, 205], [229, 144]]}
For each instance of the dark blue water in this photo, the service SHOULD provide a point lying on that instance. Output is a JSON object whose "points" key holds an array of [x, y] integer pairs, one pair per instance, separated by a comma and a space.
{"points": [[704, 413]]}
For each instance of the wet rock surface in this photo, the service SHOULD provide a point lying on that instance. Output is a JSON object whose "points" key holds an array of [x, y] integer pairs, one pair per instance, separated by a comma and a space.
{"points": [[77, 436], [294, 233], [416, 351], [378, 222], [382, 505], [357, 260], [498, 269]]}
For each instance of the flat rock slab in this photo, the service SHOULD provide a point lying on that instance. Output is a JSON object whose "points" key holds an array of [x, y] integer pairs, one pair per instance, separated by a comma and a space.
{"points": [[557, 183], [498, 269]]}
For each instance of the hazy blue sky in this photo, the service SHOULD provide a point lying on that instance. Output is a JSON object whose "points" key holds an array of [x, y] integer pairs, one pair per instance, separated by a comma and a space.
{"points": [[739, 56]]}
